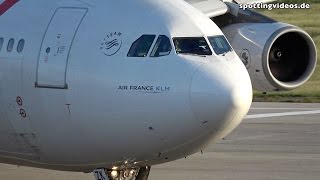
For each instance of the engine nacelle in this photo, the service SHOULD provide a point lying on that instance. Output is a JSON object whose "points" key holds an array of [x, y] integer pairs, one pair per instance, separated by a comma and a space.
{"points": [[278, 56]]}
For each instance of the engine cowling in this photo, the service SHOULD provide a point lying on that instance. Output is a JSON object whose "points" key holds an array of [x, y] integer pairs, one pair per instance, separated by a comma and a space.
{"points": [[278, 56]]}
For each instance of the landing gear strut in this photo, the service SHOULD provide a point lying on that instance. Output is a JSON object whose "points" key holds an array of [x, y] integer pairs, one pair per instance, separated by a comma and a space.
{"points": [[126, 174]]}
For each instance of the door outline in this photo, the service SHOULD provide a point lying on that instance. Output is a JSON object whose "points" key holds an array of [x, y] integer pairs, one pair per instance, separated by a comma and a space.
{"points": [[71, 44]]}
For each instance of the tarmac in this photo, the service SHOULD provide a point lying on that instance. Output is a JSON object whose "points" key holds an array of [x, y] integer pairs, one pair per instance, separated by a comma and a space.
{"points": [[277, 141]]}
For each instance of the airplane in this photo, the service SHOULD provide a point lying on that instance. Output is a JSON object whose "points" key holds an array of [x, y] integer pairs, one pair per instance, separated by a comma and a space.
{"points": [[115, 87]]}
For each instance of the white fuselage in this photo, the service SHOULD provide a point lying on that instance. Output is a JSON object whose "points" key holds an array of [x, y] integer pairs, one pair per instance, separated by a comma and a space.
{"points": [[69, 103]]}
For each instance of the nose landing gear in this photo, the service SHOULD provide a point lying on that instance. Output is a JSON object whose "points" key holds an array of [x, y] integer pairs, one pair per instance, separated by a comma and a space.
{"points": [[143, 173], [126, 174]]}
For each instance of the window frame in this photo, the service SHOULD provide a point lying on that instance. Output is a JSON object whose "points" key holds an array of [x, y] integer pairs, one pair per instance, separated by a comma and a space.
{"points": [[154, 46], [150, 47], [225, 41], [10, 45], [20, 45], [206, 40], [1, 43]]}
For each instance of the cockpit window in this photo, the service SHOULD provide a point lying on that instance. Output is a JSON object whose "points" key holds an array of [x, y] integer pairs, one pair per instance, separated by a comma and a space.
{"points": [[219, 44], [141, 46], [192, 45], [162, 47]]}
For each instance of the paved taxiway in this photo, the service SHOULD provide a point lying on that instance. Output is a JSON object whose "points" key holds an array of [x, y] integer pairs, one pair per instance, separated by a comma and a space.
{"points": [[282, 142]]}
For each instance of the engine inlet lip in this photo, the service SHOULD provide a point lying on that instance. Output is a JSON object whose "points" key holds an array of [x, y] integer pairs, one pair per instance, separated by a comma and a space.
{"points": [[309, 70]]}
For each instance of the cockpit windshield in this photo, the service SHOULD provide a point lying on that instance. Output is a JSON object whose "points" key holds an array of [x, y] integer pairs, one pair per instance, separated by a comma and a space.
{"points": [[192, 45], [219, 44]]}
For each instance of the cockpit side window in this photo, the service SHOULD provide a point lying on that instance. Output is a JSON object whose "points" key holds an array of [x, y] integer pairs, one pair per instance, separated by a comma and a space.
{"points": [[162, 47], [141, 46], [192, 45], [219, 44]]}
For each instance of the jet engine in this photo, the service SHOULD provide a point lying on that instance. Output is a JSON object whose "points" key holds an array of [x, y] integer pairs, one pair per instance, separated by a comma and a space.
{"points": [[278, 56]]}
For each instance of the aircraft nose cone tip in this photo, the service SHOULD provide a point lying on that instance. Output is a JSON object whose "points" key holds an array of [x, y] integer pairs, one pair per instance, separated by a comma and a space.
{"points": [[221, 104], [241, 95]]}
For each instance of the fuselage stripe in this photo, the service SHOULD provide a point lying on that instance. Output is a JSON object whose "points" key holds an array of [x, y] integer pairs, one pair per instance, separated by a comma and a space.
{"points": [[6, 5]]}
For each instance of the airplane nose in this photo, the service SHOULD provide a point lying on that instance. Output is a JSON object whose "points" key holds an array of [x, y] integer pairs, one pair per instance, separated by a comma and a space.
{"points": [[220, 98]]}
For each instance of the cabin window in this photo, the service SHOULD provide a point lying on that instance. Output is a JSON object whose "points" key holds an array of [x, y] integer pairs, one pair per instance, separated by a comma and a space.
{"points": [[141, 46], [192, 46], [162, 47], [219, 44], [20, 45], [1, 43], [10, 45]]}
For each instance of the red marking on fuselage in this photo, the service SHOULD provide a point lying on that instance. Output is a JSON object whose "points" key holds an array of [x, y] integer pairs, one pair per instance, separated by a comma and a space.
{"points": [[6, 5]]}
